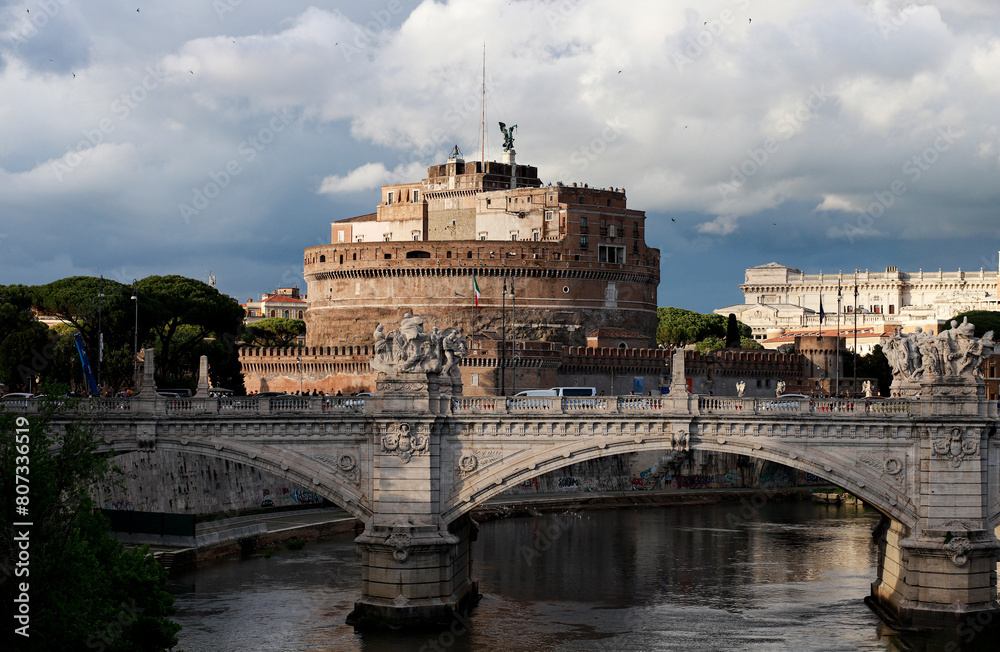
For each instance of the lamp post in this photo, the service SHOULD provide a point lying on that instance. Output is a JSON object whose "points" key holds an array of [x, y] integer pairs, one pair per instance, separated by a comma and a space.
{"points": [[100, 335], [503, 338], [135, 338], [513, 340]]}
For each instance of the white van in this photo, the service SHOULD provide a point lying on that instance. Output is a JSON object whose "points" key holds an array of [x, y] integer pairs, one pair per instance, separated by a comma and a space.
{"points": [[560, 391]]}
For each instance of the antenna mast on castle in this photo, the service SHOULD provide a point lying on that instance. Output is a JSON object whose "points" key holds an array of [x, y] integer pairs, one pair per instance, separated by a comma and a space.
{"points": [[482, 152]]}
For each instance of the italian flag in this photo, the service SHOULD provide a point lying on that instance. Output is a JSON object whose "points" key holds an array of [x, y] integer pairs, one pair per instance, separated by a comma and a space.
{"points": [[475, 290]]}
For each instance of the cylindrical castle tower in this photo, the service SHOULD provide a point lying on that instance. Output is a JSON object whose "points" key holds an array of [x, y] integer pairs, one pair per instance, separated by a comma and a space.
{"points": [[574, 259], [552, 295]]}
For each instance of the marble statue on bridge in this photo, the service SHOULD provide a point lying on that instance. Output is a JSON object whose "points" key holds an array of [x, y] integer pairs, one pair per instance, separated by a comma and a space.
{"points": [[956, 352], [410, 350]]}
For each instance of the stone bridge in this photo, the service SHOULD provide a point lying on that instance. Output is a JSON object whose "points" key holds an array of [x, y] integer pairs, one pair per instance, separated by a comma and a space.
{"points": [[412, 461]]}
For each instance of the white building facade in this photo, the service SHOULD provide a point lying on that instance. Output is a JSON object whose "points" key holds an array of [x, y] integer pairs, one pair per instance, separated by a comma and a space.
{"points": [[780, 299]]}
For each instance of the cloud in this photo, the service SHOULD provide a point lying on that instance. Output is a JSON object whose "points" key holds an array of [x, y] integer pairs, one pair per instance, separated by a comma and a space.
{"points": [[688, 106], [370, 176], [838, 203], [722, 225]]}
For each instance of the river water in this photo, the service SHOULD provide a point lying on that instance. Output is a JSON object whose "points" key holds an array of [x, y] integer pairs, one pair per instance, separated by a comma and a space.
{"points": [[750, 576]]}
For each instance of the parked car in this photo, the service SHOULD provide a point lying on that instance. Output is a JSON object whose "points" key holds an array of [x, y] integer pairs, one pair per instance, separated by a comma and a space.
{"points": [[786, 402], [16, 396]]}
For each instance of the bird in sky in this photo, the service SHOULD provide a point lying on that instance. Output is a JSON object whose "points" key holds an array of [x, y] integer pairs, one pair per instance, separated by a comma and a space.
{"points": [[672, 219]]}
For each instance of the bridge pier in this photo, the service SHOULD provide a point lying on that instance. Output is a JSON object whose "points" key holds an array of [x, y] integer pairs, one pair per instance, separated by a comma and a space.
{"points": [[415, 576], [934, 580], [416, 569], [944, 569]]}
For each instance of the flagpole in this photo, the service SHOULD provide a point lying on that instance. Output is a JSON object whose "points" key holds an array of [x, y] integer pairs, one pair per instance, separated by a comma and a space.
{"points": [[513, 340], [503, 337], [854, 389], [837, 384]]}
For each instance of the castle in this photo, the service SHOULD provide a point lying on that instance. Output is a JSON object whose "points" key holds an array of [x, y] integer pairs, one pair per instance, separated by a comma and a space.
{"points": [[564, 260]]}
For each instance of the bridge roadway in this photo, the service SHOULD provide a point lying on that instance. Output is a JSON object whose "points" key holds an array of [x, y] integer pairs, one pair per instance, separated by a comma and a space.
{"points": [[413, 463]]}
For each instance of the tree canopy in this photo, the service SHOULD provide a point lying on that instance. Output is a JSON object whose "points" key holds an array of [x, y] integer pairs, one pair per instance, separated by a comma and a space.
{"points": [[86, 590], [679, 326], [274, 331], [180, 318]]}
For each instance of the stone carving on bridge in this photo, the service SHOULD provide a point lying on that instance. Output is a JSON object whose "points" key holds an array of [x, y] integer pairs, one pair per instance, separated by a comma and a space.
{"points": [[956, 447], [409, 349], [741, 387], [344, 464], [145, 436], [780, 388], [887, 465], [399, 440], [956, 352], [477, 460], [680, 441], [400, 544], [959, 548]]}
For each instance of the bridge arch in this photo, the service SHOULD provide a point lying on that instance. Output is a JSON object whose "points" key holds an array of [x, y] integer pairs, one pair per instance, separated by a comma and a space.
{"points": [[288, 465], [479, 487]]}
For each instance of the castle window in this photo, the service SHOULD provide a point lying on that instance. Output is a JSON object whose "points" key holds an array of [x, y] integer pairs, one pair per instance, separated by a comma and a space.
{"points": [[447, 254], [360, 238], [416, 196], [536, 235], [611, 231], [565, 289], [322, 259], [286, 314], [387, 237], [387, 256], [549, 215], [513, 236], [273, 313], [579, 200], [340, 236], [417, 254], [468, 254], [583, 242], [416, 235], [355, 256], [389, 197], [300, 314], [583, 221], [482, 235], [610, 253], [341, 259]]}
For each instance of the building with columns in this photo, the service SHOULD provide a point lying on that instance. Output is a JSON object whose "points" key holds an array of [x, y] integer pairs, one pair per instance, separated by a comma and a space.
{"points": [[780, 301]]}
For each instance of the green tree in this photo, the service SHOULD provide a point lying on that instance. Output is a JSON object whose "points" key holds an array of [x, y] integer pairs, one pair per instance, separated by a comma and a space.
{"points": [[679, 326], [274, 331], [749, 343], [182, 312], [24, 341], [732, 333], [710, 344], [86, 590], [79, 302], [873, 365]]}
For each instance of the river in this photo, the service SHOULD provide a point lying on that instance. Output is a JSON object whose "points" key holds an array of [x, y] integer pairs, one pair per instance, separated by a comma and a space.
{"points": [[750, 576]]}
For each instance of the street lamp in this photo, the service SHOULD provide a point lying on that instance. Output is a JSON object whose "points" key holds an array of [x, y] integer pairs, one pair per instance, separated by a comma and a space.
{"points": [[503, 338], [100, 335], [135, 338]]}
